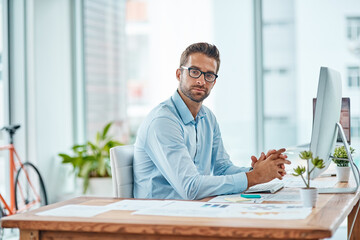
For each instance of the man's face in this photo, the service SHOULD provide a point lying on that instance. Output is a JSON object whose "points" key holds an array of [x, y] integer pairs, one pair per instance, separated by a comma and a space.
{"points": [[196, 89]]}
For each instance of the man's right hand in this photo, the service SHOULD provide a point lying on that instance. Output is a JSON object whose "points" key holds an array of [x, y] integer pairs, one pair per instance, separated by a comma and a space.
{"points": [[268, 168]]}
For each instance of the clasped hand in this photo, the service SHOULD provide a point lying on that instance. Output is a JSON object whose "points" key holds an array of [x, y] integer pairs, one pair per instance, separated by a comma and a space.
{"points": [[269, 166]]}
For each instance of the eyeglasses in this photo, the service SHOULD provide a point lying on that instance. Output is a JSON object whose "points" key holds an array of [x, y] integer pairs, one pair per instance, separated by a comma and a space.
{"points": [[196, 73]]}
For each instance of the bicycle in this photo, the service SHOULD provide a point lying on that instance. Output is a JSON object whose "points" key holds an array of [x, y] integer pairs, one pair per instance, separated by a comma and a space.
{"points": [[27, 191]]}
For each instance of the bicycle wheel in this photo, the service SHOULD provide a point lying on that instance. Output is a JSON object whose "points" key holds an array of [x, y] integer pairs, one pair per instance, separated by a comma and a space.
{"points": [[30, 190], [2, 214]]}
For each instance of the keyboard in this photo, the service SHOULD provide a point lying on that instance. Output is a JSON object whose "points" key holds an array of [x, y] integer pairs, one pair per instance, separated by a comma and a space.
{"points": [[270, 187]]}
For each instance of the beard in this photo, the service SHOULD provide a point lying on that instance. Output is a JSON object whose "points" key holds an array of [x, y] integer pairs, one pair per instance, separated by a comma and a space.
{"points": [[194, 95]]}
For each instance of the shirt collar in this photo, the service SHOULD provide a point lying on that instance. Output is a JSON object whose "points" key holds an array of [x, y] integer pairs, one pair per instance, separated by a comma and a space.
{"points": [[184, 111]]}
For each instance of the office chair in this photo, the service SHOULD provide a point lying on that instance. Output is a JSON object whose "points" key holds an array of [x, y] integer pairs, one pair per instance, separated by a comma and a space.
{"points": [[121, 160]]}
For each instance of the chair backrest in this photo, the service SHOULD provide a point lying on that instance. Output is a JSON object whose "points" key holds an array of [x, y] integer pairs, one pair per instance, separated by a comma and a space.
{"points": [[121, 160]]}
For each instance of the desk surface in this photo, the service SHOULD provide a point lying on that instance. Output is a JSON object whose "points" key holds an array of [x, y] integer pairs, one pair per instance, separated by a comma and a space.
{"points": [[330, 211]]}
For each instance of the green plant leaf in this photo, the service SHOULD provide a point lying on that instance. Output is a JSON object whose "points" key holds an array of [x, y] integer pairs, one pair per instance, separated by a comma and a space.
{"points": [[86, 169], [101, 167], [66, 158], [93, 147], [85, 184], [106, 129], [98, 138], [92, 159], [306, 155], [108, 167], [299, 171], [111, 144], [340, 152], [318, 163], [79, 148]]}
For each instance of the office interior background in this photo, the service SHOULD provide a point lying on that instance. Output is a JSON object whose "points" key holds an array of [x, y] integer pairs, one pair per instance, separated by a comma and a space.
{"points": [[68, 67]]}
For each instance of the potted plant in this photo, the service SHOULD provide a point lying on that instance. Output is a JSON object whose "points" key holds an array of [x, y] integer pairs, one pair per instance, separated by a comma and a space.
{"points": [[92, 160], [340, 158], [308, 194]]}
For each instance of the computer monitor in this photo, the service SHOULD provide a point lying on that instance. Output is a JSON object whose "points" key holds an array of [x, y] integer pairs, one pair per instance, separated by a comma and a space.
{"points": [[344, 118], [327, 115]]}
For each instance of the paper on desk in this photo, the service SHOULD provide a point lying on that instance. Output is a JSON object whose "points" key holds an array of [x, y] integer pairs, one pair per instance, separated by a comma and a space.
{"points": [[293, 196], [269, 211], [186, 209], [234, 198], [282, 197], [230, 210], [74, 211], [297, 182], [136, 204]]}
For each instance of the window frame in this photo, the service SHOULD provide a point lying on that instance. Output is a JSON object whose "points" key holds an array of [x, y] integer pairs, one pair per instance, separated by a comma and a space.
{"points": [[353, 76]]}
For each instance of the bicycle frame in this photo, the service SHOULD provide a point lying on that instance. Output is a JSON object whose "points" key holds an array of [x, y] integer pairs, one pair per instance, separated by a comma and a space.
{"points": [[12, 209]]}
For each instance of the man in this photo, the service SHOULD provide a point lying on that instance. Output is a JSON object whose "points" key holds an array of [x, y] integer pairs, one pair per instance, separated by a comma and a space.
{"points": [[179, 153]]}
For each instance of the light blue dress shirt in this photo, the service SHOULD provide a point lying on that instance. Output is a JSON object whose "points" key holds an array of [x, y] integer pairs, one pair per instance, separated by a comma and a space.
{"points": [[179, 157]]}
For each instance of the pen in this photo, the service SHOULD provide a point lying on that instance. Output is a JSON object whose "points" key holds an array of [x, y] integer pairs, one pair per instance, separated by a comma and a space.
{"points": [[250, 195]]}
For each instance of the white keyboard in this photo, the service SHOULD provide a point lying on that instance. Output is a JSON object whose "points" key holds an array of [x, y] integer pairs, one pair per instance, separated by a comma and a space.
{"points": [[270, 187]]}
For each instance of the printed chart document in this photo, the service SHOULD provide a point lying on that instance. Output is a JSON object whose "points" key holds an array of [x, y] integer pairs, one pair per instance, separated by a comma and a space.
{"points": [[74, 211], [293, 196], [229, 210], [269, 211], [235, 198]]}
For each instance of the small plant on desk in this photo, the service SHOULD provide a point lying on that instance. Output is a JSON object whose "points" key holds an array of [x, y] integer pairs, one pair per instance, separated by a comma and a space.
{"points": [[308, 194], [340, 158], [300, 170]]}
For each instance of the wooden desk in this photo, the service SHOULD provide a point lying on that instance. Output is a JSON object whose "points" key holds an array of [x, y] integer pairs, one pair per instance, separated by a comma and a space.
{"points": [[329, 213]]}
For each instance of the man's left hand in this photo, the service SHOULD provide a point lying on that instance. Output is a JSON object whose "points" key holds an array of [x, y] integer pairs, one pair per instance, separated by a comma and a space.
{"points": [[262, 157]]}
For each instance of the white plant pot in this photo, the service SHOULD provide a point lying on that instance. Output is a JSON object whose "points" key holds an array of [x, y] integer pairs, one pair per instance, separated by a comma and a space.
{"points": [[343, 174], [98, 187], [309, 196]]}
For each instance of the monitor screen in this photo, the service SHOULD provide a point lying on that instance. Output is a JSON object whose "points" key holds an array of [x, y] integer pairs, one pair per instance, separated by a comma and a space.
{"points": [[327, 115]]}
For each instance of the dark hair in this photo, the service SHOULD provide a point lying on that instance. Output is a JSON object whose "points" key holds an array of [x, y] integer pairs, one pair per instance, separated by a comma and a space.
{"points": [[208, 49]]}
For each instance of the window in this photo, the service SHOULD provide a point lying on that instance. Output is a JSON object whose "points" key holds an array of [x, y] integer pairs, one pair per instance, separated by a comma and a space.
{"points": [[104, 66], [355, 127], [353, 28], [353, 76], [280, 128], [295, 44], [158, 31], [138, 66]]}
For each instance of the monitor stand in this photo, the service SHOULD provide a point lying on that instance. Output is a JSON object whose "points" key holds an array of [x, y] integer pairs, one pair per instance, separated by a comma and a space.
{"points": [[354, 168]]}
